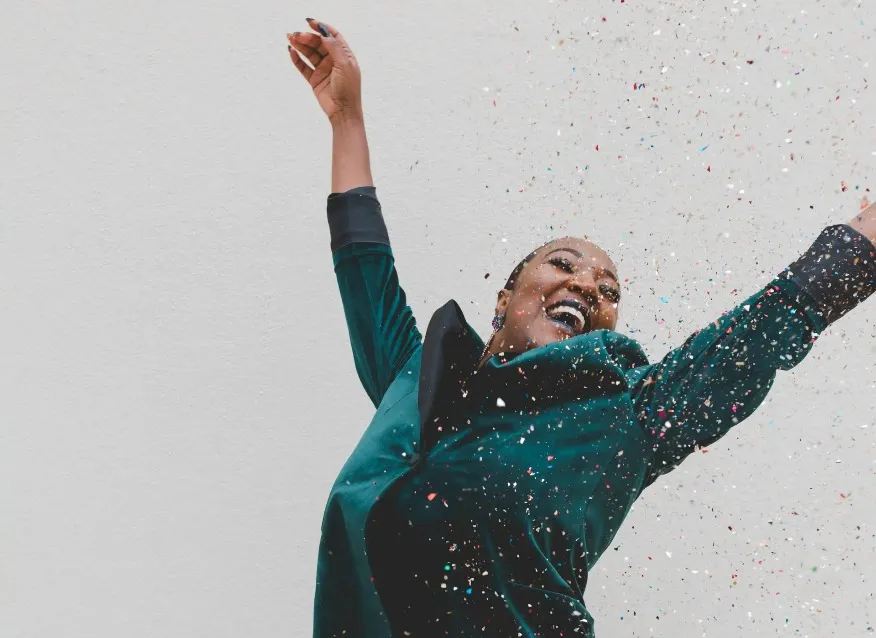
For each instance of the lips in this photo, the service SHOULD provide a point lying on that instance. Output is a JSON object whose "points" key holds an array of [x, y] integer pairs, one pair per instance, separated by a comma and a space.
{"points": [[571, 314]]}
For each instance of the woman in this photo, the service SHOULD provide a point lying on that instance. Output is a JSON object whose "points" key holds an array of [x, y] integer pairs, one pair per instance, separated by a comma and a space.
{"points": [[493, 475]]}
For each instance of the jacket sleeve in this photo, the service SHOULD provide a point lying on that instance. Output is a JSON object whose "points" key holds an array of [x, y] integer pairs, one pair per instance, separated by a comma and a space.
{"points": [[382, 329], [722, 373]]}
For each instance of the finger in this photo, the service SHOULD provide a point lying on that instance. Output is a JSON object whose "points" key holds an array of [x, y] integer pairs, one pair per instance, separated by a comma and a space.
{"points": [[308, 39], [327, 31], [321, 73], [305, 70], [312, 55], [334, 42], [320, 44]]}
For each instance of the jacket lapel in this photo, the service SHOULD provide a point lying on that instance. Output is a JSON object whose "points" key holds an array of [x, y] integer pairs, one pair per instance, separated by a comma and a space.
{"points": [[450, 352]]}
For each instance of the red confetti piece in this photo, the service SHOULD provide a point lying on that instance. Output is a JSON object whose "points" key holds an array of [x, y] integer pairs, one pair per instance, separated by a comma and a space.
{"points": [[432, 495]]}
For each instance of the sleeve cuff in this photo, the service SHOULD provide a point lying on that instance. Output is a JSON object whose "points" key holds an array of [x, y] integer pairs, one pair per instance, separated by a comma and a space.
{"points": [[355, 216], [838, 271]]}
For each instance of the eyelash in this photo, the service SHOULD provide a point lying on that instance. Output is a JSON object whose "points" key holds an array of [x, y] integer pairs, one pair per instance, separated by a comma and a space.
{"points": [[611, 293], [566, 265], [562, 263]]}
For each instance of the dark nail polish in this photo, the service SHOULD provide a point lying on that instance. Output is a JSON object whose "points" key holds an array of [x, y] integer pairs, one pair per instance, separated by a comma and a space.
{"points": [[309, 19], [322, 29]]}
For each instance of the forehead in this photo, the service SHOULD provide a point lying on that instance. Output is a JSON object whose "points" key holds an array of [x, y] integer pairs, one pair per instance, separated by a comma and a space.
{"points": [[580, 249]]}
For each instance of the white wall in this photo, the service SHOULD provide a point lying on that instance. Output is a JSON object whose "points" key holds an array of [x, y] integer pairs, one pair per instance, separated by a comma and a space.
{"points": [[176, 387]]}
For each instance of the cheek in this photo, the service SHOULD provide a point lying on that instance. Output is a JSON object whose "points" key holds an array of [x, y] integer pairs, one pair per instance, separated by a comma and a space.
{"points": [[542, 281], [527, 323], [522, 315], [608, 312]]}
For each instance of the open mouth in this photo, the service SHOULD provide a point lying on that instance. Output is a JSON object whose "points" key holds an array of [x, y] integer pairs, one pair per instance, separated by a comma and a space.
{"points": [[571, 315]]}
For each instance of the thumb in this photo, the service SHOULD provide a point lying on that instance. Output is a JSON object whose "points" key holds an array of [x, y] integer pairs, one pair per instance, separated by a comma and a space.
{"points": [[334, 42]]}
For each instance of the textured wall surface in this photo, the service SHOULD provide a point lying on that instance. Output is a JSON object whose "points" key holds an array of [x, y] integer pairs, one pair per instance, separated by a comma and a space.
{"points": [[177, 391]]}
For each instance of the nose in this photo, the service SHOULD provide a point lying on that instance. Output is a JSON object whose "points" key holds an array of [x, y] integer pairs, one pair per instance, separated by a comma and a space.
{"points": [[584, 284]]}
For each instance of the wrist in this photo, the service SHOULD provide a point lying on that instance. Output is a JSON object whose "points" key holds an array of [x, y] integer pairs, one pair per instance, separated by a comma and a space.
{"points": [[347, 120], [865, 223]]}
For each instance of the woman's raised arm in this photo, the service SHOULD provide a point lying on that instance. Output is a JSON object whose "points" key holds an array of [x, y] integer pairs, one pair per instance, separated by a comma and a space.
{"points": [[381, 325], [722, 373]]}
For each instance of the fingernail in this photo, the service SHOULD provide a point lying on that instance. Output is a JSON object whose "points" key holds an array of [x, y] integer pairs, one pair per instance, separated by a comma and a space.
{"points": [[322, 29], [309, 19], [296, 34]]}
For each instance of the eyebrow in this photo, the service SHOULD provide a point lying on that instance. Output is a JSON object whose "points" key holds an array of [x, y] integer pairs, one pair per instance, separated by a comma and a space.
{"points": [[581, 256]]}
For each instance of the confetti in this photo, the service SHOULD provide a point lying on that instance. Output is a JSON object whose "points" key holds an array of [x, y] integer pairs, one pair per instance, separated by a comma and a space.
{"points": [[529, 501]]}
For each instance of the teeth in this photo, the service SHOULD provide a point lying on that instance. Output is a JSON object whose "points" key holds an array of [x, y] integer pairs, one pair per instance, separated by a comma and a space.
{"points": [[562, 309]]}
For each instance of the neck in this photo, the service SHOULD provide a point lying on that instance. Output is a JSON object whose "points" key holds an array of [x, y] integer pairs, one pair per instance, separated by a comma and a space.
{"points": [[488, 351], [493, 348]]}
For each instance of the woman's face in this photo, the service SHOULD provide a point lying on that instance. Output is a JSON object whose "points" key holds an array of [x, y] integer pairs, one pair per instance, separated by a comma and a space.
{"points": [[570, 287]]}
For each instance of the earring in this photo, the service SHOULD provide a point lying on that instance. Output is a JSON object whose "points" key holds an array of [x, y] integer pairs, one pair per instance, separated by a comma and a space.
{"points": [[498, 322]]}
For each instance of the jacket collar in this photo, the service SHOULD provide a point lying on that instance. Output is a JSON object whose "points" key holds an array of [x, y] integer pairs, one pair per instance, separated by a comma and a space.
{"points": [[577, 369]]}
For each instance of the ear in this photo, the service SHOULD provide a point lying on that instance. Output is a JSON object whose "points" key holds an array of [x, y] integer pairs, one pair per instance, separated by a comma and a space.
{"points": [[502, 301]]}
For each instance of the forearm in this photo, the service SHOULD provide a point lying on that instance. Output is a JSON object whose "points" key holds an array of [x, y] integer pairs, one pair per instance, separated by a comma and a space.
{"points": [[865, 223], [351, 164], [838, 272]]}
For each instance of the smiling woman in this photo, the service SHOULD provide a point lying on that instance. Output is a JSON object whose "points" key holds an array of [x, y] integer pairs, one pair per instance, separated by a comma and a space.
{"points": [[494, 475], [564, 288]]}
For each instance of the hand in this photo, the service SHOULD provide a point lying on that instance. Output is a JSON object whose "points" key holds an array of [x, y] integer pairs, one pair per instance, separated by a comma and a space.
{"points": [[865, 221], [335, 77]]}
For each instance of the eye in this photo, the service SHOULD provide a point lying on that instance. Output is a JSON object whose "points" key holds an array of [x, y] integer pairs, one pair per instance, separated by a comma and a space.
{"points": [[611, 293], [565, 264]]}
